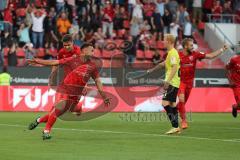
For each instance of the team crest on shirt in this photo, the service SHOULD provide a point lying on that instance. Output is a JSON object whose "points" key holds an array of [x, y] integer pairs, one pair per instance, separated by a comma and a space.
{"points": [[191, 58], [173, 60]]}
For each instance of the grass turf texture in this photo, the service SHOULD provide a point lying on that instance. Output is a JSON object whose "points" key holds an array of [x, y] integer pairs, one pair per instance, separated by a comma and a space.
{"points": [[210, 136]]}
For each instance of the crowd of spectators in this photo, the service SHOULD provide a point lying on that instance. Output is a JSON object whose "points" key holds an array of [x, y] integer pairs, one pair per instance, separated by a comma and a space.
{"points": [[33, 28]]}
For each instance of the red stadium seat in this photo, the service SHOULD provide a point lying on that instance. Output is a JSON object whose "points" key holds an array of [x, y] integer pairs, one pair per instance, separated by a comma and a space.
{"points": [[160, 45], [140, 55], [40, 52], [20, 57], [111, 54], [5, 51], [20, 53], [117, 53], [97, 53], [137, 63], [152, 43], [148, 54], [107, 54], [162, 53], [21, 61], [142, 64]]}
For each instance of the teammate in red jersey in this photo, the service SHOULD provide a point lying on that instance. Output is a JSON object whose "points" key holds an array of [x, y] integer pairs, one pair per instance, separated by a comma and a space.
{"points": [[233, 68], [68, 50], [188, 60], [73, 84]]}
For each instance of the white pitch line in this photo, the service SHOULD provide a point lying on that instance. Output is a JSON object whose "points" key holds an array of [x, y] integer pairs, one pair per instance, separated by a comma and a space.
{"points": [[133, 133]]}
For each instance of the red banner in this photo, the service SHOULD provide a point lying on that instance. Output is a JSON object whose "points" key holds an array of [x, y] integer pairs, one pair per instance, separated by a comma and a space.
{"points": [[125, 99]]}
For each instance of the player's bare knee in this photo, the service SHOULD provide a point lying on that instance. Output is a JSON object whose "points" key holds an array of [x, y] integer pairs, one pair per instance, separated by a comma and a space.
{"points": [[181, 98], [173, 104], [165, 103]]}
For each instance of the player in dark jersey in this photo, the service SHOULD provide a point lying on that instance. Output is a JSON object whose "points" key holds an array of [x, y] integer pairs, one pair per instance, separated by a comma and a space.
{"points": [[233, 68], [73, 84], [188, 59]]}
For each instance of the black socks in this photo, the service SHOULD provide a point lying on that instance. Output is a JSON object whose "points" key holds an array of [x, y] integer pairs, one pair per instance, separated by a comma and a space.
{"points": [[172, 113]]}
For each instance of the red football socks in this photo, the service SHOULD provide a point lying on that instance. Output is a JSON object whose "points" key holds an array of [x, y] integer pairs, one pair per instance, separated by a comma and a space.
{"points": [[52, 119], [182, 111]]}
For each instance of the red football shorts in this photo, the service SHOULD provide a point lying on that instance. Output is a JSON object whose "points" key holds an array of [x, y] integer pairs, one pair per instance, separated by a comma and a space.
{"points": [[66, 102], [185, 88]]}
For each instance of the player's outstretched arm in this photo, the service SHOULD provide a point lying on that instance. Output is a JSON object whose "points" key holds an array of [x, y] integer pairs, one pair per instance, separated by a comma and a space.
{"points": [[100, 90], [36, 61], [216, 53], [160, 65]]}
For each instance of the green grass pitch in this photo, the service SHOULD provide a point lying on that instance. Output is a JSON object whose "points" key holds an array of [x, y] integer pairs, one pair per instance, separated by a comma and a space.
{"points": [[112, 137]]}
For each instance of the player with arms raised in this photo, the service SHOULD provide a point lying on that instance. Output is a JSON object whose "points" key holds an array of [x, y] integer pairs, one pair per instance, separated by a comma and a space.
{"points": [[68, 50], [188, 60], [72, 86]]}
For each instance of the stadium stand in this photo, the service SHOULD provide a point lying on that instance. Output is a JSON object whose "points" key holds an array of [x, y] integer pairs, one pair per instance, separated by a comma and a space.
{"points": [[102, 22]]}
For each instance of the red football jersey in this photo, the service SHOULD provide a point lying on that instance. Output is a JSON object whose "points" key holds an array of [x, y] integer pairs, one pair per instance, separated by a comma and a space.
{"points": [[76, 80], [63, 53], [110, 12], [188, 65], [234, 71]]}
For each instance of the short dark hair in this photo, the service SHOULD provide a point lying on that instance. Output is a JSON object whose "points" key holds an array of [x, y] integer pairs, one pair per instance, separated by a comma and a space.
{"points": [[85, 45], [67, 38], [185, 41]]}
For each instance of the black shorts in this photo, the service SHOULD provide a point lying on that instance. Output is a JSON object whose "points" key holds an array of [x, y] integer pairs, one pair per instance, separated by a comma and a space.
{"points": [[171, 94]]}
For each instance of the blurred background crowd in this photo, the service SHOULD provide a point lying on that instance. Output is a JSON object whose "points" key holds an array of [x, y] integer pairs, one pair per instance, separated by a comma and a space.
{"points": [[34, 28]]}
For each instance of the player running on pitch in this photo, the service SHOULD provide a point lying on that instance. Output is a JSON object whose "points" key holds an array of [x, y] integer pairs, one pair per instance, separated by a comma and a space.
{"points": [[68, 50], [172, 82], [233, 68], [188, 60], [73, 85]]}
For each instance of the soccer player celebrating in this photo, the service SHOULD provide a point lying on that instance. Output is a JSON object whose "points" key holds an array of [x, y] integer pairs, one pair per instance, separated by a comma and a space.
{"points": [[233, 68], [172, 82], [188, 59], [73, 85], [68, 50]]}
